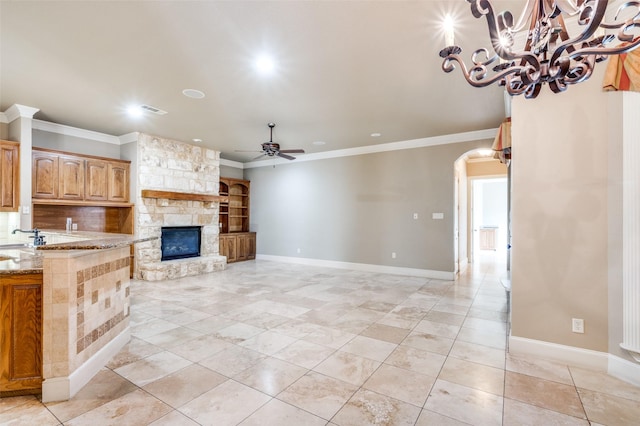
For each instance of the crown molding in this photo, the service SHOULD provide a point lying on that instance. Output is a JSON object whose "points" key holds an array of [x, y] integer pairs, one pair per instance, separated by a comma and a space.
{"points": [[128, 138], [61, 129], [16, 111], [230, 163], [385, 147]]}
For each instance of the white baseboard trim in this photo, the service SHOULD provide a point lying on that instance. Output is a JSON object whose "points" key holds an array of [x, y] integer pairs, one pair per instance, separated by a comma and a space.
{"points": [[380, 269], [568, 354], [628, 371], [64, 388], [464, 264]]}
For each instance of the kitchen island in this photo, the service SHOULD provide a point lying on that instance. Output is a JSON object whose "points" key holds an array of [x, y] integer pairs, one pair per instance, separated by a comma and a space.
{"points": [[64, 310]]}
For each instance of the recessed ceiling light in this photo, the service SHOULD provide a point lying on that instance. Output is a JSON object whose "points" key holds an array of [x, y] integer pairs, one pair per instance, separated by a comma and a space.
{"points": [[319, 142], [376, 135], [193, 93], [134, 111], [197, 140], [265, 64]]}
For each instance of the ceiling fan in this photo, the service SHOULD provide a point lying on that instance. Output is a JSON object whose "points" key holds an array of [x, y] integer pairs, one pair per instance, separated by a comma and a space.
{"points": [[272, 149]]}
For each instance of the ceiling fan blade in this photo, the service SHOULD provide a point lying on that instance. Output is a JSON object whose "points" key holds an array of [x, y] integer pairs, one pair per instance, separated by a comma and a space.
{"points": [[293, 151], [288, 157], [243, 150], [259, 156]]}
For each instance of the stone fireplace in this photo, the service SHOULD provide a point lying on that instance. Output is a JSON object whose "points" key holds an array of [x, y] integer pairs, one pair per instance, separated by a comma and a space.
{"points": [[177, 186]]}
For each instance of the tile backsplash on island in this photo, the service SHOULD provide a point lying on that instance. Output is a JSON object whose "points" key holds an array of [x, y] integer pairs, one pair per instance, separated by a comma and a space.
{"points": [[170, 165]]}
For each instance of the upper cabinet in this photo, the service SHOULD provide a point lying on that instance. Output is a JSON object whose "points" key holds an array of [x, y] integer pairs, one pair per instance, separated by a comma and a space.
{"points": [[9, 176], [64, 176]]}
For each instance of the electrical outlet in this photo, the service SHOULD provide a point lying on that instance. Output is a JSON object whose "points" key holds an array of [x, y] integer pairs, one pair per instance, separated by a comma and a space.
{"points": [[393, 255], [415, 215], [577, 325]]}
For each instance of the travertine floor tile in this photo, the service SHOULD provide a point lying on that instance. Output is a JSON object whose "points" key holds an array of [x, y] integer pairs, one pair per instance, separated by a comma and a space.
{"points": [[303, 353], [601, 382], [226, 404], [184, 385], [367, 347], [270, 375], [26, 413], [540, 368], [543, 393], [152, 368], [405, 385], [104, 387], [318, 394], [278, 413], [519, 413], [473, 375], [347, 367], [609, 409], [385, 333], [134, 408], [417, 360], [370, 408], [469, 405], [174, 418]]}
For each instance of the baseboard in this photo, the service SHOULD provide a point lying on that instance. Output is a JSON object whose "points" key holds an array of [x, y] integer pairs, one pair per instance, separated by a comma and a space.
{"points": [[568, 354], [624, 370], [365, 267], [64, 388], [464, 264]]}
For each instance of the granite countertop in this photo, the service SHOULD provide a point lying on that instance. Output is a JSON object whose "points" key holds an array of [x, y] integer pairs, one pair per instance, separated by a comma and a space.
{"points": [[28, 259]]}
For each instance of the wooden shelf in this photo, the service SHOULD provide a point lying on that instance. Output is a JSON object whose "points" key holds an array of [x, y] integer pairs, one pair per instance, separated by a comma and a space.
{"points": [[150, 193]]}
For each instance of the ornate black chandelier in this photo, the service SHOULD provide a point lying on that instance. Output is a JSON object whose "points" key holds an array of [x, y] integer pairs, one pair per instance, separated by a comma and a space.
{"points": [[550, 54]]}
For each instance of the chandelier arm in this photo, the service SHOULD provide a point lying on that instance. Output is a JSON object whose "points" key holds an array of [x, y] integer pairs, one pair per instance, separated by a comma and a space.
{"points": [[524, 16], [607, 51], [476, 76], [613, 25], [568, 6], [594, 22]]}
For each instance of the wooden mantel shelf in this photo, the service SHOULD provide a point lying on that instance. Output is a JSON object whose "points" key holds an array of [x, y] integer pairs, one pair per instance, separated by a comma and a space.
{"points": [[169, 195]]}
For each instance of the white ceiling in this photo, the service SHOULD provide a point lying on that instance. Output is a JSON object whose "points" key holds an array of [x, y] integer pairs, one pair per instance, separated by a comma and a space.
{"points": [[345, 69]]}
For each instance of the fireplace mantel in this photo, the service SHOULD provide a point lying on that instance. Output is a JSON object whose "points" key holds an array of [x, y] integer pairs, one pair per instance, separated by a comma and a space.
{"points": [[170, 195]]}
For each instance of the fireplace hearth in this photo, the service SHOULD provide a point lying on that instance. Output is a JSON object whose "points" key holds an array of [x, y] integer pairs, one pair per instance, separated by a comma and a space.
{"points": [[180, 242]]}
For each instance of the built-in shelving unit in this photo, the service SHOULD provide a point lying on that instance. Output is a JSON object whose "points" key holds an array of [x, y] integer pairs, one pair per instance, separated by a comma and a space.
{"points": [[236, 242]]}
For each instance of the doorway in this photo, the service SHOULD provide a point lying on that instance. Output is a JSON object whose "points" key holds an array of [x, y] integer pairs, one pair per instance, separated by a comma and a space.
{"points": [[489, 223]]}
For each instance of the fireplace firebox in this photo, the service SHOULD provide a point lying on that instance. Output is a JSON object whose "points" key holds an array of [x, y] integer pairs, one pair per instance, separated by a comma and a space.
{"points": [[180, 242]]}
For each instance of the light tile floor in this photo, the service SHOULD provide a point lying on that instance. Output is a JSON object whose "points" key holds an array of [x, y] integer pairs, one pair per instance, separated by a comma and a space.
{"points": [[266, 343]]}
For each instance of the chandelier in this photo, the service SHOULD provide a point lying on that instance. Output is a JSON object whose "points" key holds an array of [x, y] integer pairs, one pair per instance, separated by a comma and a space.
{"points": [[550, 55]]}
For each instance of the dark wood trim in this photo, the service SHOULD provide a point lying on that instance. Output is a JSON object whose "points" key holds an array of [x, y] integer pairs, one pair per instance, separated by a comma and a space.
{"points": [[170, 195]]}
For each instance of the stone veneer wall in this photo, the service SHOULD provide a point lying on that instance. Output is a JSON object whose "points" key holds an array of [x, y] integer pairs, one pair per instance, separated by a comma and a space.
{"points": [[169, 165], [86, 305]]}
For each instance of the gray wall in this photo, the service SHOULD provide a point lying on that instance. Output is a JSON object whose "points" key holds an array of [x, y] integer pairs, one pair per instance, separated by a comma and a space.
{"points": [[43, 139], [231, 172], [360, 209]]}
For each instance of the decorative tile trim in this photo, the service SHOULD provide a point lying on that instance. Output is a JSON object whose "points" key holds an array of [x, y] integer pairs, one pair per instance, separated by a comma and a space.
{"points": [[98, 332]]}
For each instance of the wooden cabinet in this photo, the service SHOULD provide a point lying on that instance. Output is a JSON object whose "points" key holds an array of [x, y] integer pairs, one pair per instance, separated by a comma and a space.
{"points": [[64, 176], [97, 178], [71, 178], [45, 178], [118, 184], [9, 176], [20, 334], [236, 242], [238, 246]]}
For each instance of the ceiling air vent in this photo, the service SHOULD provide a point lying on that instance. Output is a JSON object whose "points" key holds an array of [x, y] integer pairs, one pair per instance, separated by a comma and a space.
{"points": [[153, 109]]}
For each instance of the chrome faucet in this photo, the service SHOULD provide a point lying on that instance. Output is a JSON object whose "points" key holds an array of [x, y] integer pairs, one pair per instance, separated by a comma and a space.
{"points": [[38, 240]]}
